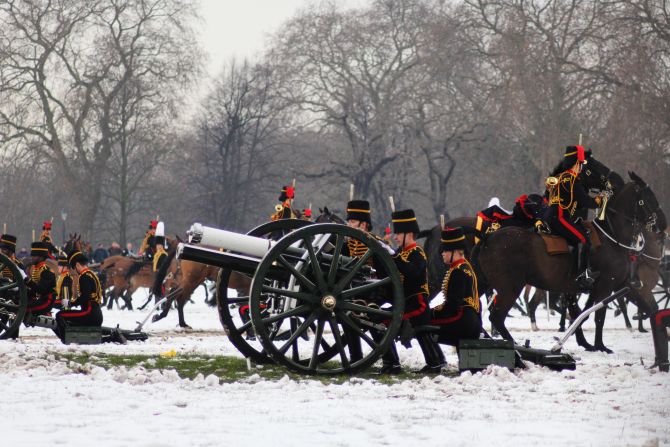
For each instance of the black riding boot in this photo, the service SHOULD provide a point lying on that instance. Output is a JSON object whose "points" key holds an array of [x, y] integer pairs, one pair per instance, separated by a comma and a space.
{"points": [[390, 359], [432, 353], [634, 281], [585, 277], [660, 337]]}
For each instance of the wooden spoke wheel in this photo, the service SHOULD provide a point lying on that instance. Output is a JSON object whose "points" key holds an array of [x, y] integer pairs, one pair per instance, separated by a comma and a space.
{"points": [[234, 311], [13, 299], [326, 299], [662, 290]]}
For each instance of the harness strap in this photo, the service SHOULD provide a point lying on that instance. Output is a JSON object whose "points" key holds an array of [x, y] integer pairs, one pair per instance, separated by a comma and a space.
{"points": [[619, 244]]}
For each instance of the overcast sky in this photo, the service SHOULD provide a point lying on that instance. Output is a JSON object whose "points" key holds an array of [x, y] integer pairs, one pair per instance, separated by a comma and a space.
{"points": [[239, 27]]}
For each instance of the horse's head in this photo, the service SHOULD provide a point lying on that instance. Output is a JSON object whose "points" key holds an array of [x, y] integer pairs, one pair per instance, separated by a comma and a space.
{"points": [[647, 205], [73, 244], [598, 176], [327, 217]]}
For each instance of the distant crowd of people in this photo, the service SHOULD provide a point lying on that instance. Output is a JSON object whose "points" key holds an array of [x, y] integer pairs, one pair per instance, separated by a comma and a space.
{"points": [[97, 255]]}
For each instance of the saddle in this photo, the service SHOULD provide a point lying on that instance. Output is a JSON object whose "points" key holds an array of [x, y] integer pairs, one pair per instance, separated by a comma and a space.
{"points": [[557, 245]]}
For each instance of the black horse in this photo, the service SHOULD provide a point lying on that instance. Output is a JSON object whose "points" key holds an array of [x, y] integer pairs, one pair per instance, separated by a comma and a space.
{"points": [[512, 257], [596, 176]]}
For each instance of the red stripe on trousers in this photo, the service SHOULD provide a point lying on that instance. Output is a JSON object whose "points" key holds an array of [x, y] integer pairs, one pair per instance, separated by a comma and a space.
{"points": [[567, 225], [456, 317], [43, 305], [77, 314], [417, 312]]}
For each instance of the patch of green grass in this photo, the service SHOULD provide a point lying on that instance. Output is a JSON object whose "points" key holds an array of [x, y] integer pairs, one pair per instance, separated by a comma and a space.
{"points": [[228, 369]]}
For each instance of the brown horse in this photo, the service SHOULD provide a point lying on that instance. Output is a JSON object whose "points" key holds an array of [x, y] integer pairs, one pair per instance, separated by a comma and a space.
{"points": [[512, 257], [125, 275], [179, 286]]}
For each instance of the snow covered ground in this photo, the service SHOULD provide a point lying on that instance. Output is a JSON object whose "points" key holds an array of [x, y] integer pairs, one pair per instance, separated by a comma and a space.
{"points": [[608, 400]]}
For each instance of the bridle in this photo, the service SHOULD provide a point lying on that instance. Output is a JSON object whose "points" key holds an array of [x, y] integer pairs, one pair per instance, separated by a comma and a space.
{"points": [[637, 224]]}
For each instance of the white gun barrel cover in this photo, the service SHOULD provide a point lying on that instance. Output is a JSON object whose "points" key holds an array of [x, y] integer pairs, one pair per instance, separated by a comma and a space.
{"points": [[228, 240]]}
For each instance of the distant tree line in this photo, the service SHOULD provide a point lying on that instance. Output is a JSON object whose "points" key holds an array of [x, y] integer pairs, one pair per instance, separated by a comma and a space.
{"points": [[439, 104]]}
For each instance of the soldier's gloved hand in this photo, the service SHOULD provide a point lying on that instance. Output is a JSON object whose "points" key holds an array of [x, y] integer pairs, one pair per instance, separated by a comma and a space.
{"points": [[541, 227]]}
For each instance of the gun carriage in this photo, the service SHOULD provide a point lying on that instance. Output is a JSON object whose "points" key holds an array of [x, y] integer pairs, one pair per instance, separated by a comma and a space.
{"points": [[306, 299], [13, 298]]}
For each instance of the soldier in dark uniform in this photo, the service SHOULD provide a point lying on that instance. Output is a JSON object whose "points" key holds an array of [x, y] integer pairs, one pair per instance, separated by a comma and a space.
{"points": [[459, 316], [41, 281], [411, 261], [8, 248], [359, 217], [147, 245], [64, 285], [284, 210], [160, 257], [89, 297], [567, 197]]}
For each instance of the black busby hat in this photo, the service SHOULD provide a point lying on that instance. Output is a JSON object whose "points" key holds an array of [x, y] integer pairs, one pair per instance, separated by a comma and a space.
{"points": [[573, 154], [359, 210], [62, 260], [39, 249], [159, 240], [404, 221], [287, 192], [452, 239], [77, 257], [7, 241]]}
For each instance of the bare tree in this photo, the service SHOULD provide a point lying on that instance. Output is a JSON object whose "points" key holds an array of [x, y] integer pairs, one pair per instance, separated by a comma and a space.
{"points": [[345, 71], [66, 65], [236, 134]]}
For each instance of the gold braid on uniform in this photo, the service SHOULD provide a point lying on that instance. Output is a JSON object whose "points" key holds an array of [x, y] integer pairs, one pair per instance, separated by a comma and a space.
{"points": [[36, 272], [145, 243], [97, 295], [158, 256], [356, 248], [404, 255], [472, 301], [555, 192], [6, 272]]}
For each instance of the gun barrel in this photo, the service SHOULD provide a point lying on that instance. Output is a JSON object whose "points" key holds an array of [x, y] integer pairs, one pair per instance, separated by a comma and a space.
{"points": [[228, 240], [226, 260]]}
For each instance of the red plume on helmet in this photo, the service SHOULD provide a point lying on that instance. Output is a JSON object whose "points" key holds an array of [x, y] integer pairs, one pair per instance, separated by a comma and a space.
{"points": [[153, 224], [46, 225], [580, 154]]}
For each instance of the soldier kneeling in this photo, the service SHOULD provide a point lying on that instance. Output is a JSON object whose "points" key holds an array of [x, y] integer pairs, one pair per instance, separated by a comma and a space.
{"points": [[88, 298], [459, 316]]}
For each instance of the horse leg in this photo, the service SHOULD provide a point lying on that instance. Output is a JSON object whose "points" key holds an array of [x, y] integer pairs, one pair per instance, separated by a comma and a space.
{"points": [[573, 308], [532, 307], [600, 323], [180, 312], [165, 309], [563, 310], [128, 300], [623, 308], [501, 307], [112, 297]]}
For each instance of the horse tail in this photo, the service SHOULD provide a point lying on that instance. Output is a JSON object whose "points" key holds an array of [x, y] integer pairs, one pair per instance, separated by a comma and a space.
{"points": [[162, 272], [482, 281], [134, 268]]}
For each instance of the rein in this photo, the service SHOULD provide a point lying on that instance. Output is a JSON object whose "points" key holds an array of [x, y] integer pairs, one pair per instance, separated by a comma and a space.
{"points": [[638, 248]]}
